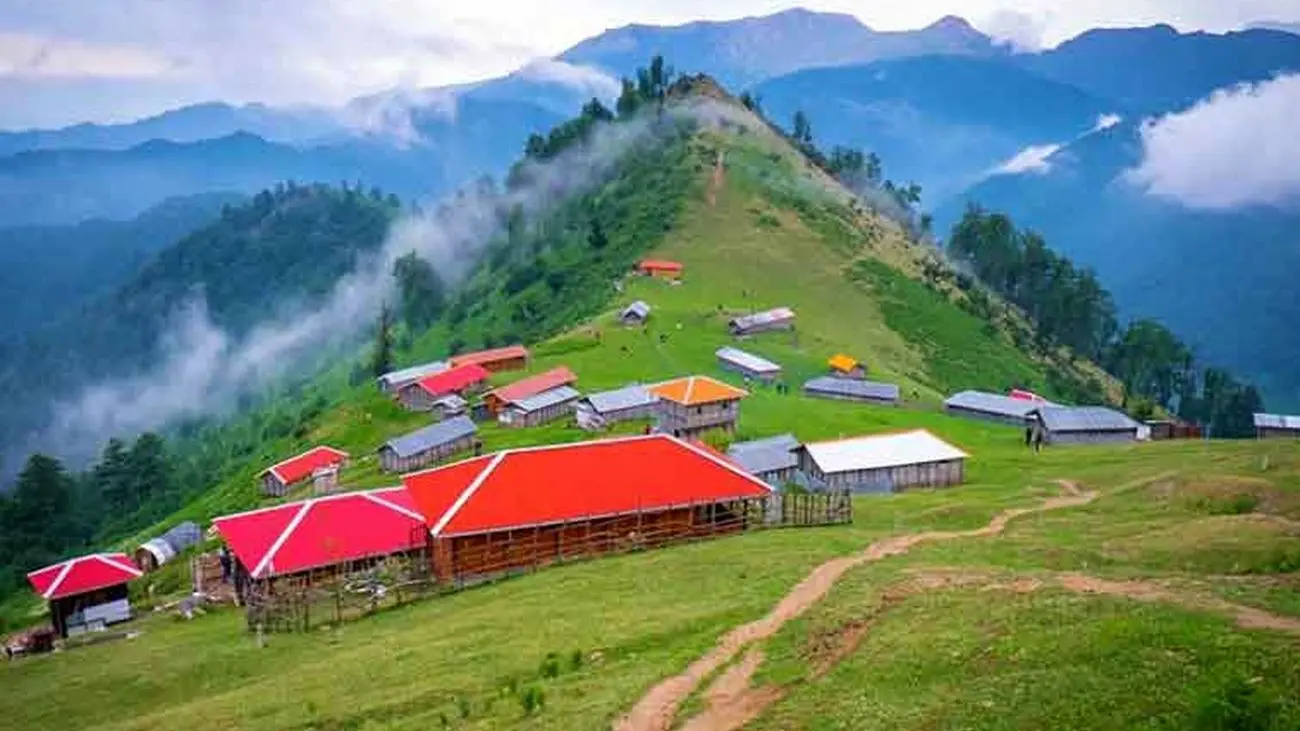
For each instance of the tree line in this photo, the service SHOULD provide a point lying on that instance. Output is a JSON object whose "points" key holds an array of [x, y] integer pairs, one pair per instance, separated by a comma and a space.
{"points": [[1068, 306]]}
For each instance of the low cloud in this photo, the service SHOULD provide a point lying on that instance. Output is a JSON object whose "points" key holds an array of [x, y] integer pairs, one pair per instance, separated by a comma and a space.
{"points": [[1018, 30], [395, 115], [586, 79], [1032, 159], [1106, 121], [1237, 148], [25, 56]]}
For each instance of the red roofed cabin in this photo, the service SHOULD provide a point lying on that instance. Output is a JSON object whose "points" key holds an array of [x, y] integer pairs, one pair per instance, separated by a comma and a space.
{"points": [[424, 394], [510, 358], [499, 398], [660, 268], [86, 593], [533, 506], [278, 478]]}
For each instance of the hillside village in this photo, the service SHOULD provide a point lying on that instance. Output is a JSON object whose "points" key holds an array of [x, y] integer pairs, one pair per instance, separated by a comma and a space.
{"points": [[777, 465]]}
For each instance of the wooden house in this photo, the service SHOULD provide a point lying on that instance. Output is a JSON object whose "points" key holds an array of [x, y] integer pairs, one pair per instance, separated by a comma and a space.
{"points": [[883, 463], [747, 364], [694, 405], [635, 314], [393, 381], [1084, 425], [86, 593], [852, 389], [992, 407], [509, 358], [279, 478], [773, 460], [780, 318], [600, 410], [538, 409], [660, 268], [498, 399], [429, 445], [426, 393], [846, 366], [1277, 426]]}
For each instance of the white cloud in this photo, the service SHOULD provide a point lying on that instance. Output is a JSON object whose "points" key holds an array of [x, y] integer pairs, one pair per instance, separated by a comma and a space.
{"points": [[1106, 121], [1019, 30], [27, 56], [585, 79], [1032, 159], [1237, 148]]}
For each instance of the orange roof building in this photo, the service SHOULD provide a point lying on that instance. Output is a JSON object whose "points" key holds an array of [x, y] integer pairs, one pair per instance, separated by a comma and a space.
{"points": [[509, 358], [498, 399], [693, 405], [846, 365], [660, 268]]}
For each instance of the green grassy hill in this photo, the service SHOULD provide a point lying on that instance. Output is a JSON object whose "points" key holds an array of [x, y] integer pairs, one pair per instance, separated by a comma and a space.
{"points": [[961, 631]]}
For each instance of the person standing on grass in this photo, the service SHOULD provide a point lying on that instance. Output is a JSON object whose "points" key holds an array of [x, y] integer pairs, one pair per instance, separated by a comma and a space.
{"points": [[1029, 436], [224, 557], [1038, 441]]}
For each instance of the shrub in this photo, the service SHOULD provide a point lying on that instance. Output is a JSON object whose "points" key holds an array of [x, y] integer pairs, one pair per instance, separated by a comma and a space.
{"points": [[532, 699], [550, 665], [1240, 705]]}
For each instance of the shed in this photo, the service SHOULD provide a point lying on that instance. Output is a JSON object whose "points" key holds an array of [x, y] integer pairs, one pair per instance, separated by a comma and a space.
{"points": [[509, 358], [852, 389], [1085, 425], [427, 446], [779, 318], [278, 478], [1277, 426], [541, 408], [393, 380], [86, 593], [449, 406], [498, 399], [747, 364], [883, 463], [660, 268], [696, 404], [158, 551], [423, 394], [636, 313], [599, 410], [773, 460], [531, 506], [846, 366], [992, 407]]}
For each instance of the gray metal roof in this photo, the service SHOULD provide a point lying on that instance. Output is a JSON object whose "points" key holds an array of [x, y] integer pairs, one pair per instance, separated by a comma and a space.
{"points": [[452, 401], [1084, 418], [852, 387], [994, 403], [775, 314], [766, 455], [183, 535], [629, 397], [432, 436], [1276, 421], [406, 375], [638, 308], [554, 396], [748, 361]]}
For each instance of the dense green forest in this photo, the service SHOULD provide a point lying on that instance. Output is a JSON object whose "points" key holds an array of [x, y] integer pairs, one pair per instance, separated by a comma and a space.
{"points": [[1069, 307]]}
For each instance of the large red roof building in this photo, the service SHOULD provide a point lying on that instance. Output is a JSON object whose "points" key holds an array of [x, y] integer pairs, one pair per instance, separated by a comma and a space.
{"points": [[86, 590], [279, 477]]}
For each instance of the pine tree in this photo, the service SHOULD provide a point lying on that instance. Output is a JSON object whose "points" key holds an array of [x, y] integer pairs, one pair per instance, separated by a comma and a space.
{"points": [[383, 355]]}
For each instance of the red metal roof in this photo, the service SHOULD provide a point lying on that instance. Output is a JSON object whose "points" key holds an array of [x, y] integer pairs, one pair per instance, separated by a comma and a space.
{"points": [[568, 482], [300, 468], [510, 352], [659, 265], [454, 380], [324, 531], [1023, 395], [83, 574], [534, 385]]}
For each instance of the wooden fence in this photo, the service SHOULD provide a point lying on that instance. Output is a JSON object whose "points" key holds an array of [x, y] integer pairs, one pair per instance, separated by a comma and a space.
{"points": [[435, 566]]}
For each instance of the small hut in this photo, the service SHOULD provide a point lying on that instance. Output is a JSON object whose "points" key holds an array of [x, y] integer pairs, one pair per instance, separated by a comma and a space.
{"points": [[1277, 426], [86, 593], [1085, 425], [779, 318], [694, 405], [158, 551], [883, 463], [425, 393], [509, 358], [660, 268], [541, 408], [600, 410], [427, 446], [747, 364], [846, 366], [280, 477], [498, 399], [773, 460], [852, 389], [635, 314]]}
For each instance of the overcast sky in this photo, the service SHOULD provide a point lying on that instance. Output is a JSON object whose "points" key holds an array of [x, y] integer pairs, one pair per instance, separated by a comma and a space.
{"points": [[64, 61]]}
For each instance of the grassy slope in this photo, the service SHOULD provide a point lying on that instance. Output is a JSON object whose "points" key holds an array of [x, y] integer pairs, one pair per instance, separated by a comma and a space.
{"points": [[639, 618]]}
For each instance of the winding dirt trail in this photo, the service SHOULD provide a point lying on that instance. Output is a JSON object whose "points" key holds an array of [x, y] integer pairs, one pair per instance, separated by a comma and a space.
{"points": [[658, 707], [717, 179]]}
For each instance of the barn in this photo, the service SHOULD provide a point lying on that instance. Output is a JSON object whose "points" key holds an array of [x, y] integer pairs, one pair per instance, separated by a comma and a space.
{"points": [[280, 477], [547, 406], [696, 404], [429, 445], [321, 533], [498, 399], [527, 507], [1277, 426], [599, 410], [780, 318], [747, 364], [1085, 425], [509, 358], [846, 366], [992, 407], [154, 553], [660, 268], [852, 389], [392, 381], [86, 593], [773, 460], [635, 314], [883, 463], [425, 393]]}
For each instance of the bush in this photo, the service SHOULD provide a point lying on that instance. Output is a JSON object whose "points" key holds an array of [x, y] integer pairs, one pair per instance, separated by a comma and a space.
{"points": [[550, 665], [532, 699], [1240, 705]]}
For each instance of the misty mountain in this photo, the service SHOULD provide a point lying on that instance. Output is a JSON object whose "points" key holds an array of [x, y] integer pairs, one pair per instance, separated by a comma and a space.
{"points": [[739, 53], [943, 121], [48, 271], [1223, 280], [1158, 69]]}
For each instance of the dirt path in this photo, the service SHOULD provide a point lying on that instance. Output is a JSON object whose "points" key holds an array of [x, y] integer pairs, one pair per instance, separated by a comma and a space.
{"points": [[658, 707], [718, 178]]}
